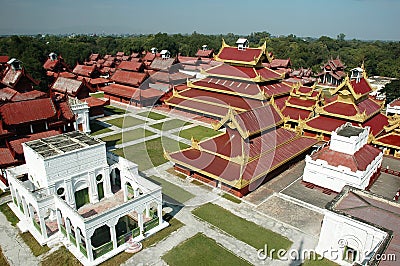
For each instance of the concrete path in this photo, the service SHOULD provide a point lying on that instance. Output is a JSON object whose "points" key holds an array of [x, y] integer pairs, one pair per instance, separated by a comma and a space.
{"points": [[14, 248]]}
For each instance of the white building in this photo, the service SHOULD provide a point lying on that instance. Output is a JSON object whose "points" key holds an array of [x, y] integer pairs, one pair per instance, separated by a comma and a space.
{"points": [[393, 107], [360, 227], [81, 112], [71, 190], [347, 160]]}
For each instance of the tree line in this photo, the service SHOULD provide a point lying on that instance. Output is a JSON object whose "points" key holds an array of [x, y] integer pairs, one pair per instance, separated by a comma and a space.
{"points": [[379, 57]]}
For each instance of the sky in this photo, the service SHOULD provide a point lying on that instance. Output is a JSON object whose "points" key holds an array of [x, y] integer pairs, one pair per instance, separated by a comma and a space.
{"points": [[357, 19]]}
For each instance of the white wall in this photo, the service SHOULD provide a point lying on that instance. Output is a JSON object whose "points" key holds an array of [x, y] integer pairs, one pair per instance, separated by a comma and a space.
{"points": [[338, 231]]}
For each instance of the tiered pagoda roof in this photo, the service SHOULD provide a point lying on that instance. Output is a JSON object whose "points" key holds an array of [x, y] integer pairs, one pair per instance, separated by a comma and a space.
{"points": [[301, 103], [242, 83], [251, 148], [350, 103], [391, 138]]}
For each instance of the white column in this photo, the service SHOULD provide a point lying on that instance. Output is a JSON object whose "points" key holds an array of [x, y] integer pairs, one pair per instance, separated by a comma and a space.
{"points": [[87, 124], [59, 221], [24, 207], [43, 227], [113, 236], [147, 211], [78, 237], [159, 213], [69, 194], [140, 221], [125, 190], [68, 228], [89, 249], [107, 183], [93, 195]]}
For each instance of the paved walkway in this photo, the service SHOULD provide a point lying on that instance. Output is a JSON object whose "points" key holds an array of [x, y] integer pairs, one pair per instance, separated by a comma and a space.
{"points": [[14, 248]]}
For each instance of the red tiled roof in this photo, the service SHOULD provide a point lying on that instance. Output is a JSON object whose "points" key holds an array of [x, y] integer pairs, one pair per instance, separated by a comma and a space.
{"points": [[229, 171], [301, 102], [161, 63], [149, 56], [392, 139], [204, 53], [151, 93], [20, 112], [369, 106], [71, 86], [131, 65], [97, 81], [341, 108], [226, 85], [325, 123], [359, 161], [268, 74], [94, 102], [84, 70], [200, 107], [259, 119], [376, 123], [6, 158], [276, 89], [30, 95], [16, 144], [6, 94], [395, 102], [66, 111], [219, 98], [295, 113], [120, 54], [281, 101], [361, 87], [277, 157], [120, 90], [283, 63], [188, 60], [50, 64], [234, 54], [93, 57], [129, 78], [67, 75], [4, 59], [11, 77]]}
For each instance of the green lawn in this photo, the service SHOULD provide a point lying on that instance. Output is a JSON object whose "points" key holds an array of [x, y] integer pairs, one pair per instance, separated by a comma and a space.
{"points": [[150, 153], [175, 173], [318, 261], [8, 213], [125, 121], [115, 110], [201, 250], [170, 124], [119, 259], [3, 260], [97, 129], [127, 136], [198, 133], [60, 257], [246, 231], [231, 198], [97, 95], [172, 191], [153, 115], [35, 247]]}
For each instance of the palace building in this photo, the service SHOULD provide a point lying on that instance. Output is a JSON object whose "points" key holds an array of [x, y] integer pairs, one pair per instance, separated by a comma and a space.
{"points": [[71, 190], [247, 154], [240, 82], [332, 73], [350, 102], [346, 160]]}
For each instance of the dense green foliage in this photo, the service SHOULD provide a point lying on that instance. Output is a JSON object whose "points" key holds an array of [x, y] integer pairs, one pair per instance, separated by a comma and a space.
{"points": [[380, 57]]}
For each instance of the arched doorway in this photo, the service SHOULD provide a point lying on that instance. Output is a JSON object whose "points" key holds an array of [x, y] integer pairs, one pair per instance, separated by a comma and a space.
{"points": [[115, 179]]}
